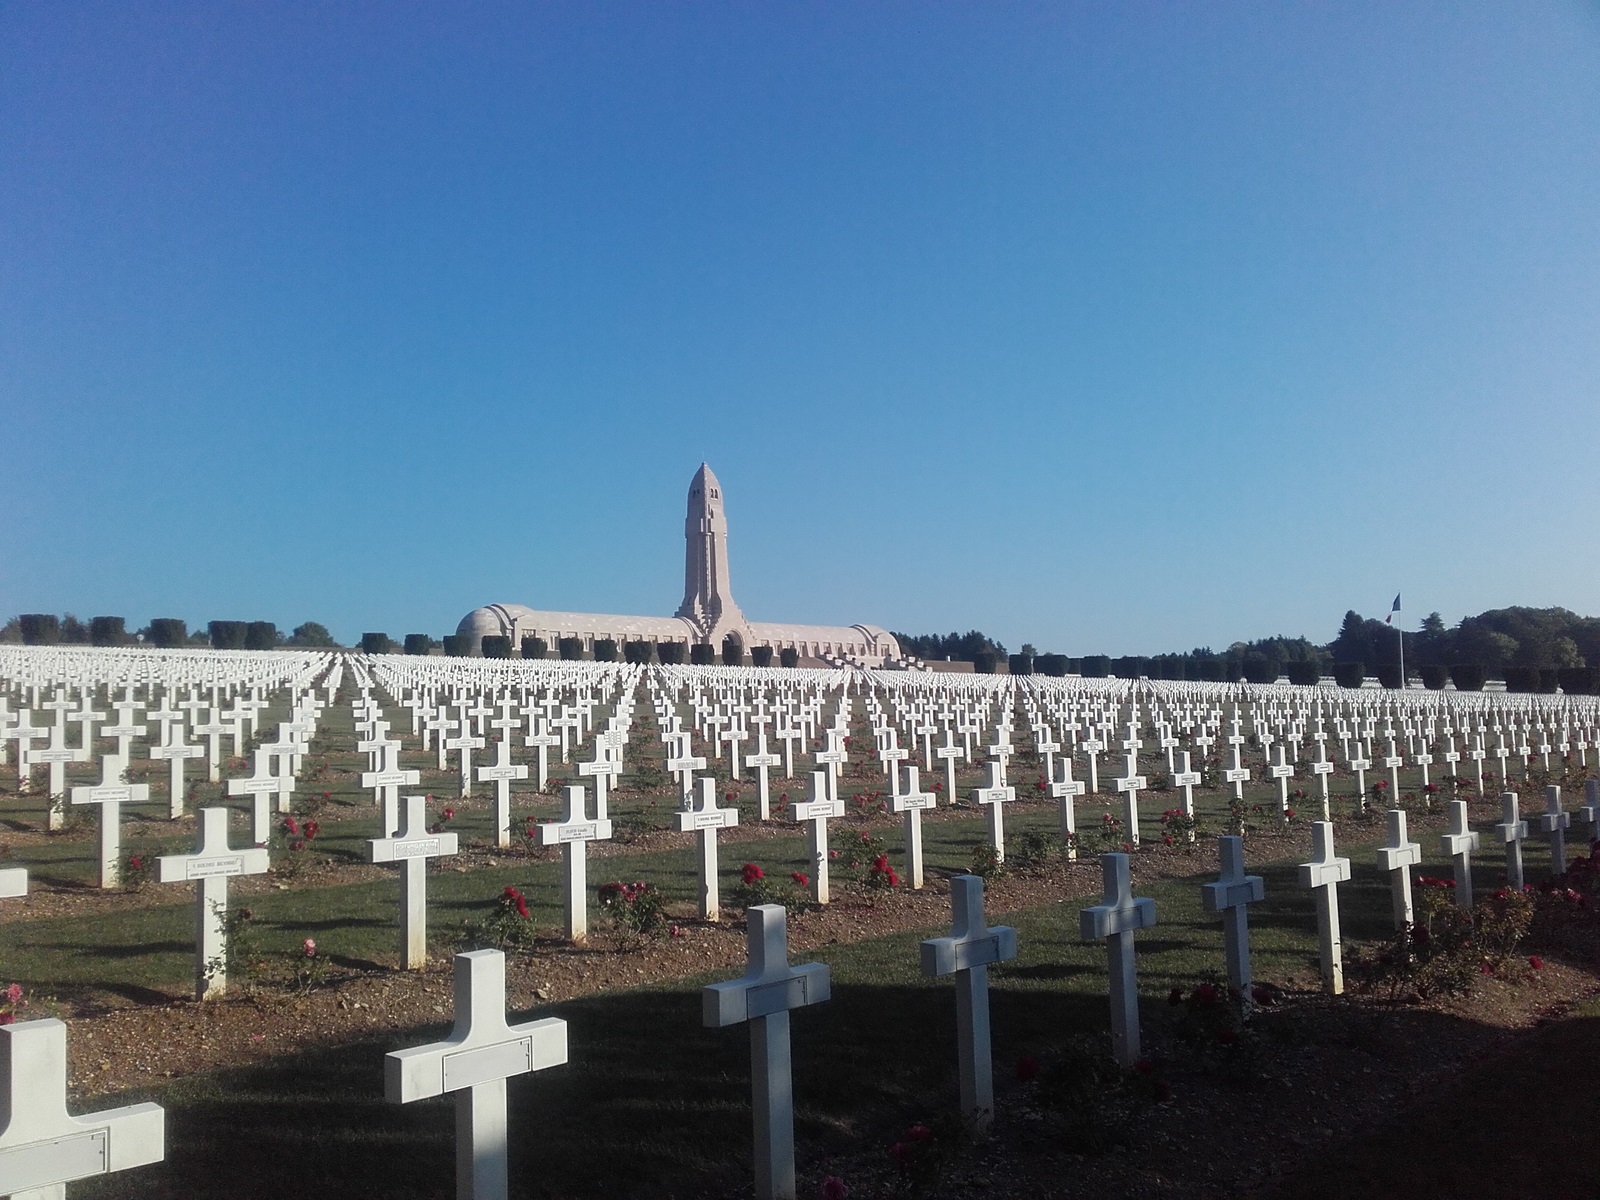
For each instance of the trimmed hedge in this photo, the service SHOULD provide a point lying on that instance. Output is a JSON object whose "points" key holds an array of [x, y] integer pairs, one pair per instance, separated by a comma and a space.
{"points": [[569, 648], [168, 632], [1303, 673], [1130, 666], [732, 652], [761, 656], [671, 654], [1434, 675], [1549, 679], [495, 645], [789, 656], [1054, 665], [418, 643], [457, 645], [702, 654], [260, 635], [605, 649], [1522, 679], [227, 635], [1469, 677], [107, 631], [637, 652], [1349, 674], [1095, 666], [1258, 668], [1021, 664], [377, 643], [1389, 674], [535, 647], [985, 661]]}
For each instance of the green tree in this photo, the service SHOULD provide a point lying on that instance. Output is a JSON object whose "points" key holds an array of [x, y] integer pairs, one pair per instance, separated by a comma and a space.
{"points": [[312, 635]]}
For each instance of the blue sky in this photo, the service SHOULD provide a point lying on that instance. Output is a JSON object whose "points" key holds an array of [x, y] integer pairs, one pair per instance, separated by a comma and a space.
{"points": [[1110, 327]]}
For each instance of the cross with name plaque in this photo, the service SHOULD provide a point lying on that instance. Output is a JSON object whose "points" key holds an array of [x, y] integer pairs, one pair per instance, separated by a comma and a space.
{"points": [[704, 819], [1554, 822], [209, 868], [58, 754], [42, 1146], [1397, 857], [261, 784], [176, 752], [763, 997], [909, 804], [411, 848], [109, 795], [816, 811], [1130, 785], [967, 953], [996, 795], [763, 760], [473, 1064], [1065, 790], [573, 833], [502, 771]]}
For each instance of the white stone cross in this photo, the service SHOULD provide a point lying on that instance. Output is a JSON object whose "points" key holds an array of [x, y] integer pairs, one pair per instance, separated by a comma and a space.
{"points": [[909, 804], [1589, 810], [1459, 841], [110, 794], [705, 818], [42, 1146], [603, 768], [209, 868], [176, 751], [1130, 785], [967, 952], [1397, 857], [816, 811], [996, 795], [1554, 822], [763, 996], [474, 1062], [1116, 920], [573, 833], [684, 764], [1323, 874], [464, 745], [261, 784], [1282, 771], [763, 760], [1231, 895], [411, 848], [386, 782], [1065, 789], [1512, 831], [1238, 774], [1323, 769], [502, 771], [949, 752], [1187, 780]]}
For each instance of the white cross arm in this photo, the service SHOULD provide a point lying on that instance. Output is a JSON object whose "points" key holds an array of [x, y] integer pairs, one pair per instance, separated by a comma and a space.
{"points": [[746, 998], [1230, 893], [377, 779], [111, 793], [942, 955], [555, 833], [1392, 858], [185, 868], [384, 850], [815, 810], [707, 818], [176, 750], [448, 1066], [42, 1145], [1103, 920], [1320, 874]]}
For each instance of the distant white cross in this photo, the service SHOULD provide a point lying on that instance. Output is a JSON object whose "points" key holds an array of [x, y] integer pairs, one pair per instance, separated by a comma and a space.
{"points": [[763, 996], [473, 1063], [909, 804], [502, 771]]}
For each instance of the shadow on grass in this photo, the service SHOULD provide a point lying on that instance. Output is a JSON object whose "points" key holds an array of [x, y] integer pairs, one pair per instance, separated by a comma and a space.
{"points": [[652, 1105], [126, 950]]}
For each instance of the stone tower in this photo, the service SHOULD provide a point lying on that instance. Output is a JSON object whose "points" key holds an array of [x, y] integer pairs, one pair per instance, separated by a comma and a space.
{"points": [[707, 593]]}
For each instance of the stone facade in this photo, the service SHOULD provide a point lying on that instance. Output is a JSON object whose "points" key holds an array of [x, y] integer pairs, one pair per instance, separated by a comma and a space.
{"points": [[708, 614]]}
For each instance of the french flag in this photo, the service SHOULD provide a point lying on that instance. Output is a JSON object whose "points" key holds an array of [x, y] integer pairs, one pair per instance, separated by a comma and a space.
{"points": [[1393, 610]]}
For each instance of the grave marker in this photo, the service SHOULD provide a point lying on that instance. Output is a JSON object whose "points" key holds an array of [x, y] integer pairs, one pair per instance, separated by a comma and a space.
{"points": [[967, 952], [1231, 895], [763, 996], [473, 1063], [573, 833], [1397, 858], [502, 771], [209, 868], [1554, 822], [816, 811], [1512, 830], [109, 795], [1459, 841], [704, 819], [1323, 874], [909, 804], [1115, 920], [411, 848]]}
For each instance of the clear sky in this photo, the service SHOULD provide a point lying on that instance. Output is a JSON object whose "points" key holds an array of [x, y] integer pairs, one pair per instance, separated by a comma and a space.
{"points": [[1116, 328]]}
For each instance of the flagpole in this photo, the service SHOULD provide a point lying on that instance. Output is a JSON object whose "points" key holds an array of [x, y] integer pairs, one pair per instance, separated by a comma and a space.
{"points": [[1402, 636]]}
